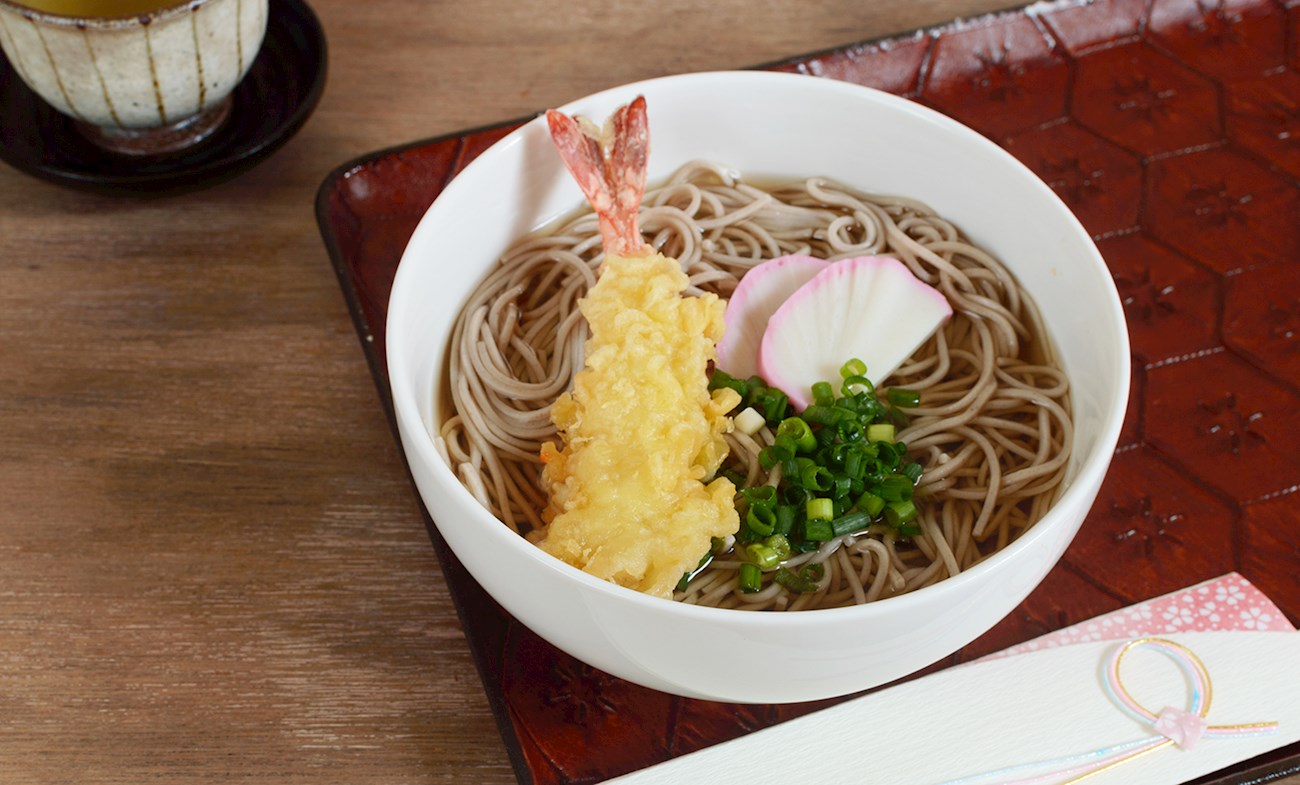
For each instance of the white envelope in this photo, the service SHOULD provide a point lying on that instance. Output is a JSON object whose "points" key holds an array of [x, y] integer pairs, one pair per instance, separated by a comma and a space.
{"points": [[1042, 701]]}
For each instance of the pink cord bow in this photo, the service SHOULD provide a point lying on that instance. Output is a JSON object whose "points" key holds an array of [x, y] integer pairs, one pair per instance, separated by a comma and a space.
{"points": [[1183, 727]]}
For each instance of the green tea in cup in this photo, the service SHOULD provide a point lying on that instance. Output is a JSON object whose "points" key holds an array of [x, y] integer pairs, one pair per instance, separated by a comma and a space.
{"points": [[97, 8]]}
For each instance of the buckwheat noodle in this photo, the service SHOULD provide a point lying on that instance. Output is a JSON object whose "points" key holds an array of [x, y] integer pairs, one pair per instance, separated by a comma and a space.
{"points": [[993, 431]]}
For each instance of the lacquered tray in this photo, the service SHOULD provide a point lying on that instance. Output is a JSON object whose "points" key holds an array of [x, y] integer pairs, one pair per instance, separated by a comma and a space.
{"points": [[1173, 131]]}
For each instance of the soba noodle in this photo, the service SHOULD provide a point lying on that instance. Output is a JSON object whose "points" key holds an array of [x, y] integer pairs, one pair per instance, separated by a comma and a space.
{"points": [[993, 430]]}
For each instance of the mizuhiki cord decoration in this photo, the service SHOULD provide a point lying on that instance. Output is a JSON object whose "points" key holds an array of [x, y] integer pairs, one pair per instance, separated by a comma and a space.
{"points": [[1181, 727]]}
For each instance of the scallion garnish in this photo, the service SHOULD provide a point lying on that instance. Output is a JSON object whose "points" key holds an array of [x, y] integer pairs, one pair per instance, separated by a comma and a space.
{"points": [[902, 398], [764, 556], [814, 477], [798, 431], [750, 578], [761, 519], [898, 513], [780, 544], [895, 488], [818, 530], [786, 515], [842, 472], [870, 503], [853, 367], [823, 394], [880, 432], [851, 522], [806, 581], [820, 510]]}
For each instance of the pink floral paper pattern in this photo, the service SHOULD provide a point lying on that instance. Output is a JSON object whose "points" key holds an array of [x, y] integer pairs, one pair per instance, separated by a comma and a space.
{"points": [[1229, 603]]}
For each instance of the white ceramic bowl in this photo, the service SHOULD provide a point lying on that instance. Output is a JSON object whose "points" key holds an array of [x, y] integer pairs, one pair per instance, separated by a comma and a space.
{"points": [[760, 124]]}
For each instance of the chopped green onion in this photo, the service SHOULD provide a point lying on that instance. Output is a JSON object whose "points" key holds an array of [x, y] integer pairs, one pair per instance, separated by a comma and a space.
{"points": [[783, 447], [818, 530], [895, 488], [856, 384], [840, 470], [721, 379], [773, 402], [855, 463], [850, 431], [737, 479], [814, 477], [870, 503], [905, 398], [761, 519], [765, 557], [754, 393], [779, 544], [750, 578], [852, 522], [785, 518], [820, 510], [898, 513], [819, 414], [839, 507], [797, 430], [890, 452], [880, 432], [806, 581], [823, 394]]}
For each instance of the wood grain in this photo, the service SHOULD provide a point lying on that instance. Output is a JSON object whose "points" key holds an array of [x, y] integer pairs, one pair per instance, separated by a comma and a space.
{"points": [[211, 564]]}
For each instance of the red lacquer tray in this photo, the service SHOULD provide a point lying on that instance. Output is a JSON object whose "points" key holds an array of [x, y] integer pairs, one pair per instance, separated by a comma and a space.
{"points": [[1172, 128]]}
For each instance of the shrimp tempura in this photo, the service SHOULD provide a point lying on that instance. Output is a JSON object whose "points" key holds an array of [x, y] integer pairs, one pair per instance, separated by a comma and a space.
{"points": [[642, 434]]}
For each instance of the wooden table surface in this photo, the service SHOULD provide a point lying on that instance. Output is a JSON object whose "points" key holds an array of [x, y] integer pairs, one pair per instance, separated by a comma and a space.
{"points": [[212, 567]]}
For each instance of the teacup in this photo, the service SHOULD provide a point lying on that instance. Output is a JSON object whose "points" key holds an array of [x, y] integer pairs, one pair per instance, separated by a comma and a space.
{"points": [[154, 82]]}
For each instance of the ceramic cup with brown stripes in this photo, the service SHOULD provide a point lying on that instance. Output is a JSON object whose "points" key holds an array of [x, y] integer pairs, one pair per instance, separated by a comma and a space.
{"points": [[140, 77]]}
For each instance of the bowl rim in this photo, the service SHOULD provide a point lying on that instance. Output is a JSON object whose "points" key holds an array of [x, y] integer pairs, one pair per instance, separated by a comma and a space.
{"points": [[1090, 474]]}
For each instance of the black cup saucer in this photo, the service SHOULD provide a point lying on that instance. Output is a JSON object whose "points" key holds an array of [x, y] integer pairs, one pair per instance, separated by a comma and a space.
{"points": [[272, 102]]}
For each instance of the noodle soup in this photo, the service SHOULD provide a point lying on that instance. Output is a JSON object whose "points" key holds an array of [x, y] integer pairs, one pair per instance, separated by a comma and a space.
{"points": [[761, 123], [992, 432]]}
